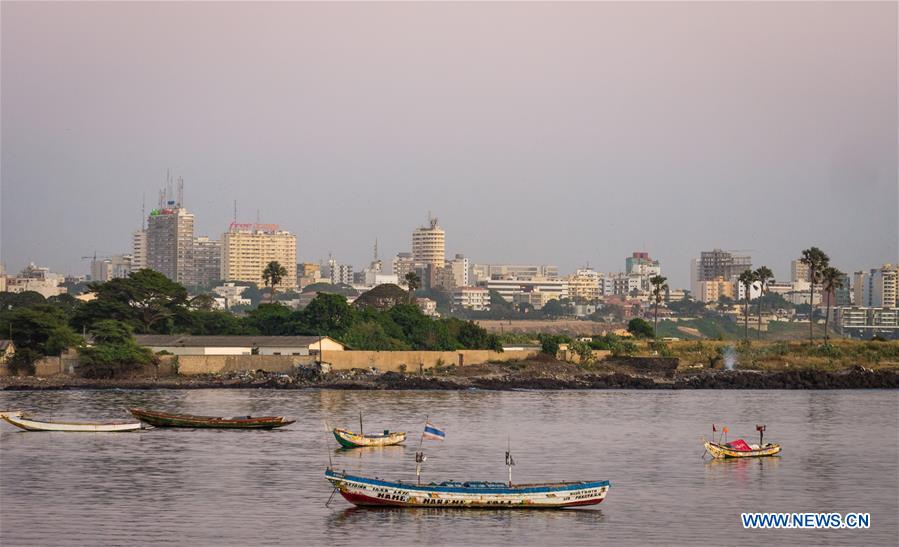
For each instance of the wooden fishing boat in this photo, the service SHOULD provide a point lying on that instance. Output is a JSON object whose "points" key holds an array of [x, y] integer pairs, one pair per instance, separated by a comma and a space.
{"points": [[364, 491], [19, 420], [739, 449], [348, 439], [163, 419]]}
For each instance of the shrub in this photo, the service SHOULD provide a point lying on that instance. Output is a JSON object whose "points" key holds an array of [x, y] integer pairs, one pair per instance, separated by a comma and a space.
{"points": [[640, 328], [114, 351]]}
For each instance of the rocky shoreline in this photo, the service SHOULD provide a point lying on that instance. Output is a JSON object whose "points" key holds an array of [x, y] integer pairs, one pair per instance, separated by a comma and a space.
{"points": [[855, 378]]}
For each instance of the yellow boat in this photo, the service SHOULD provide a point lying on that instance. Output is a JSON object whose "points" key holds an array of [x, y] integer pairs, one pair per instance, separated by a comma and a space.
{"points": [[728, 450], [348, 439]]}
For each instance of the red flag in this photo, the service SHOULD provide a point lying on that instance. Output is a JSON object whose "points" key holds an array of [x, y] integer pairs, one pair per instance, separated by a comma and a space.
{"points": [[713, 428]]}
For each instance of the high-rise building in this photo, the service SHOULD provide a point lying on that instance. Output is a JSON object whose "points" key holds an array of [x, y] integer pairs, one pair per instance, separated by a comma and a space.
{"points": [[429, 245], [641, 263], [207, 260], [717, 264], [170, 243], [138, 250], [885, 287], [248, 248], [584, 285], [799, 271]]}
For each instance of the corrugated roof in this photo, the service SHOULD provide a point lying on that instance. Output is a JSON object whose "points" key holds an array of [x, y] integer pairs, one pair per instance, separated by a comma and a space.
{"points": [[158, 340]]}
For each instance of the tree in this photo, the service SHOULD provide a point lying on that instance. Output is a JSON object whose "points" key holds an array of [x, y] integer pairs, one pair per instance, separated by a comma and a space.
{"points": [[764, 276], [272, 276], [414, 283], [147, 300], [203, 302], [816, 260], [747, 280], [113, 352], [549, 343], [831, 280], [658, 289], [329, 314], [37, 331], [553, 308], [640, 328]]}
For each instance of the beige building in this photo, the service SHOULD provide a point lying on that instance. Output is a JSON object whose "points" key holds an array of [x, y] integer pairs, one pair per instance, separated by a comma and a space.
{"points": [[138, 250], [798, 271], [248, 248], [429, 245], [402, 265], [471, 298], [170, 243], [584, 285], [712, 290]]}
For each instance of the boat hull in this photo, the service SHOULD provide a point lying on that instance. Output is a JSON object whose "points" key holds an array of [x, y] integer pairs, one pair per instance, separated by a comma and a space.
{"points": [[162, 419], [348, 439], [73, 427], [366, 492], [720, 451]]}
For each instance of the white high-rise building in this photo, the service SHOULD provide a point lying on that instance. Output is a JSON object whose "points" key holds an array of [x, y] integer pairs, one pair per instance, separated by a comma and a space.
{"points": [[170, 243], [429, 245], [138, 250]]}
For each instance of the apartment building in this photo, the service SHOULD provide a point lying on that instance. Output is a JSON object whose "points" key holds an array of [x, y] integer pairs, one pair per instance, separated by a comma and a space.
{"points": [[248, 248], [207, 260], [429, 245], [549, 288], [170, 243], [584, 285], [471, 298], [138, 250]]}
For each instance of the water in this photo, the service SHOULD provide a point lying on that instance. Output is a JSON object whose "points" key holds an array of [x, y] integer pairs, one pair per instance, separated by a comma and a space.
{"points": [[197, 487]]}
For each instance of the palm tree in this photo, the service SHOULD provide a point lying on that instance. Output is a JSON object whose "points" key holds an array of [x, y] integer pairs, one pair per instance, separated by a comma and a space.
{"points": [[831, 280], [414, 282], [747, 279], [658, 289], [763, 275], [272, 275], [816, 260]]}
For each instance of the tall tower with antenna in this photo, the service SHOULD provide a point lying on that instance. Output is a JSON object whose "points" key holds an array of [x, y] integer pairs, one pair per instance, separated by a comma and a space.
{"points": [[180, 192]]}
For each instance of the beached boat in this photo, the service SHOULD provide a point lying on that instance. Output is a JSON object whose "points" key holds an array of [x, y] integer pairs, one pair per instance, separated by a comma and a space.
{"points": [[348, 439], [20, 420], [365, 491], [163, 419], [741, 449]]}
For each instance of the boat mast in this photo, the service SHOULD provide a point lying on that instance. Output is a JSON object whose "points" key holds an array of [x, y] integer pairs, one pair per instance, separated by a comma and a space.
{"points": [[360, 423], [509, 461], [419, 454]]}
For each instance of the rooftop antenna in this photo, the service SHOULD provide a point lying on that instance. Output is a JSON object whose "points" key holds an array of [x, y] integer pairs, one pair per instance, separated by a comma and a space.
{"points": [[168, 185], [257, 216], [376, 249], [143, 211], [180, 192], [235, 211]]}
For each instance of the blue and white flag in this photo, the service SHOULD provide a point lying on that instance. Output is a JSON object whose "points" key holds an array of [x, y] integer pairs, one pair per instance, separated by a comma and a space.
{"points": [[433, 432]]}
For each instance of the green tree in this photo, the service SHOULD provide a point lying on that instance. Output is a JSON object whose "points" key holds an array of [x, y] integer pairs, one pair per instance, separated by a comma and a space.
{"points": [[550, 343], [218, 323], [764, 276], [831, 280], [747, 280], [113, 352], [272, 320], [147, 300], [272, 276], [328, 314], [554, 308], [640, 328], [659, 287], [203, 302], [816, 260], [414, 283], [37, 331], [370, 335]]}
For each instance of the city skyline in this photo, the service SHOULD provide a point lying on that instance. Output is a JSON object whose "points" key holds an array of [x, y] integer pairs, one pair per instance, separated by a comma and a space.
{"points": [[541, 138]]}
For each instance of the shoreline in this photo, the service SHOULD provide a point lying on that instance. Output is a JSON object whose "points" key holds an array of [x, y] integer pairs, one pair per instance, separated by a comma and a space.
{"points": [[800, 379]]}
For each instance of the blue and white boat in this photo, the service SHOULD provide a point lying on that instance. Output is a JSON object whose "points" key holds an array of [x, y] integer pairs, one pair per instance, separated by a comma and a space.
{"points": [[365, 491]]}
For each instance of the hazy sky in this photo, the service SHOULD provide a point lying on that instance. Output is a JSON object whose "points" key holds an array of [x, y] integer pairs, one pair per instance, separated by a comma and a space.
{"points": [[536, 132]]}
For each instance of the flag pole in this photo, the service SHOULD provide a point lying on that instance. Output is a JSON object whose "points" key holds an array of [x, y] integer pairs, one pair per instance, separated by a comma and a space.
{"points": [[419, 455]]}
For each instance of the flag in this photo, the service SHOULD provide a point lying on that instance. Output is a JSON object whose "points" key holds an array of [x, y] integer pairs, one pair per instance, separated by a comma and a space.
{"points": [[713, 428], [725, 429], [433, 432]]}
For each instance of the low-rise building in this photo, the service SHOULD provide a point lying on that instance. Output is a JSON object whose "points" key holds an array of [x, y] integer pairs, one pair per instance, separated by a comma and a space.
{"points": [[508, 288], [427, 306], [38, 279], [865, 322], [238, 345], [471, 298]]}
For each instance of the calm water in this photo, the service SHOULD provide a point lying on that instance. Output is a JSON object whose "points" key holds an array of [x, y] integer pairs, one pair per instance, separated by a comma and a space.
{"points": [[237, 488]]}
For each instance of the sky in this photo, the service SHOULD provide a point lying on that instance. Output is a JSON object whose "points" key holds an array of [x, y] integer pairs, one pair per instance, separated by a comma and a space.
{"points": [[566, 133]]}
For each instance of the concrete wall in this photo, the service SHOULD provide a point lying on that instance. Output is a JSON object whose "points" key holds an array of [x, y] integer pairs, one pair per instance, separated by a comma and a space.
{"points": [[344, 360]]}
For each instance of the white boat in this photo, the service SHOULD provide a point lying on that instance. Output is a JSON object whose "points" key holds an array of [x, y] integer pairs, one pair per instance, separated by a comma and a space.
{"points": [[19, 420]]}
